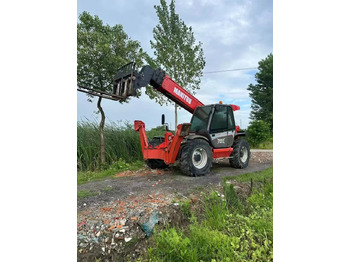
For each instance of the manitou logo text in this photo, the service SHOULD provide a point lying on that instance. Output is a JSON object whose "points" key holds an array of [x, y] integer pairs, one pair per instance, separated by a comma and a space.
{"points": [[221, 140], [182, 95]]}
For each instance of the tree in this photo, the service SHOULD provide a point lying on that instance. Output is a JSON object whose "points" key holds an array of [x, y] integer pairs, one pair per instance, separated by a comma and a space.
{"points": [[176, 51], [258, 131], [262, 92], [102, 49]]}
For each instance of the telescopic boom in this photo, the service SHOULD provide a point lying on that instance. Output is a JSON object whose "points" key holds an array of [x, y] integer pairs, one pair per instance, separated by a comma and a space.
{"points": [[128, 80]]}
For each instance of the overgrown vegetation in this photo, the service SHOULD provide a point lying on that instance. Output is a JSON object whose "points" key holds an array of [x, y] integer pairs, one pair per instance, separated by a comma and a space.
{"points": [[233, 228], [122, 142]]}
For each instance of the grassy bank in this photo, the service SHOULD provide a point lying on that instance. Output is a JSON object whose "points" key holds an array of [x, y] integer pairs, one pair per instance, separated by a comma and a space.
{"points": [[236, 228], [119, 166]]}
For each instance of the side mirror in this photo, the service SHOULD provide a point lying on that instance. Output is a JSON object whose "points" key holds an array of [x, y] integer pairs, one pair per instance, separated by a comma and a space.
{"points": [[163, 119]]}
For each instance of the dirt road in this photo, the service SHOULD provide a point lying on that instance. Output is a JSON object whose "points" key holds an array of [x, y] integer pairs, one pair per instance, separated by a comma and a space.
{"points": [[171, 180]]}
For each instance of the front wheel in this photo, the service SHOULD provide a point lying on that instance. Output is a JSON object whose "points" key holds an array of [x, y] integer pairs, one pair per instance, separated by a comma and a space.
{"points": [[196, 158], [240, 155], [156, 163]]}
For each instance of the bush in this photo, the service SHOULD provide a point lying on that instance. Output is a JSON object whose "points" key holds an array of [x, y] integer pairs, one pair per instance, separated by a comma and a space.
{"points": [[258, 132]]}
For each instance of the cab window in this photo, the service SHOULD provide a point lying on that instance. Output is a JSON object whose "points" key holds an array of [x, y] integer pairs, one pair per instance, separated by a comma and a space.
{"points": [[230, 119], [219, 120], [200, 119]]}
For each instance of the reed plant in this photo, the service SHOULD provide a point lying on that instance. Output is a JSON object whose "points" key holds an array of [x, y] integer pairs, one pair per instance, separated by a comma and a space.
{"points": [[121, 142]]}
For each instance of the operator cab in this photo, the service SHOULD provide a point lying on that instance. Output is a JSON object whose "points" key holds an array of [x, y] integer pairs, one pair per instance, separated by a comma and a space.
{"points": [[216, 123]]}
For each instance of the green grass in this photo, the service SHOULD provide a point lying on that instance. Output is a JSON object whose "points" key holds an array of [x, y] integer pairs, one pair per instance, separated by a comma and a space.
{"points": [[185, 207], [225, 232], [260, 176], [86, 193], [119, 166], [265, 145]]}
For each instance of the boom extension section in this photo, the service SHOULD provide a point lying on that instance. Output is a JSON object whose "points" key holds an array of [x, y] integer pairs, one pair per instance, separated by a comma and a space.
{"points": [[128, 80]]}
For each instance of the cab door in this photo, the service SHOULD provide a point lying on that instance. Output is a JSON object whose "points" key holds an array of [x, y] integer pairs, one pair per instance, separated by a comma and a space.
{"points": [[221, 129]]}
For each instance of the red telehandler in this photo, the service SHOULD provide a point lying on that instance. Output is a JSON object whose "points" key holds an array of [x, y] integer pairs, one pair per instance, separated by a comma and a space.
{"points": [[212, 133]]}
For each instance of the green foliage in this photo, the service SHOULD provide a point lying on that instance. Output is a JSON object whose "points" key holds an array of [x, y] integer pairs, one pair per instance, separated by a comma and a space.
{"points": [[176, 50], [122, 142], [215, 212], [236, 235], [185, 207], [173, 241], [262, 92], [102, 49], [258, 131], [116, 167], [231, 197], [157, 131]]}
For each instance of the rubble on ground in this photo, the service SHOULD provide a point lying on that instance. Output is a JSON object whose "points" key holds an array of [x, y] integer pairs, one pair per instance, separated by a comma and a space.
{"points": [[108, 231], [261, 157]]}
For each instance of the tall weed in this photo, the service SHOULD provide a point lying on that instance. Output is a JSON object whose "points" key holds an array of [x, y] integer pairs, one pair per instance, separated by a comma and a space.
{"points": [[121, 142]]}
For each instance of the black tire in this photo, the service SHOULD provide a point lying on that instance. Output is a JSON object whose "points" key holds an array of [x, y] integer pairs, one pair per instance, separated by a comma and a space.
{"points": [[241, 154], [196, 158], [156, 163]]}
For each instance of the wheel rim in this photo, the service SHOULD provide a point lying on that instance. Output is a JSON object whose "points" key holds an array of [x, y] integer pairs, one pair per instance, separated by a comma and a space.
{"points": [[199, 158], [243, 154]]}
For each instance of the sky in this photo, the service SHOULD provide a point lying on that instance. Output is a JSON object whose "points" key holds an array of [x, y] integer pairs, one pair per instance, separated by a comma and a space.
{"points": [[235, 34]]}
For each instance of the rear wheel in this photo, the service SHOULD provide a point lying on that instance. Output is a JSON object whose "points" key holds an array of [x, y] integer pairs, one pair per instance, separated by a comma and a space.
{"points": [[156, 163], [196, 158], [241, 154]]}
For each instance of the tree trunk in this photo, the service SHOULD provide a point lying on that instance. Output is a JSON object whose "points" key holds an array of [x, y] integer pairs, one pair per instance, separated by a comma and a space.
{"points": [[102, 124], [176, 117]]}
